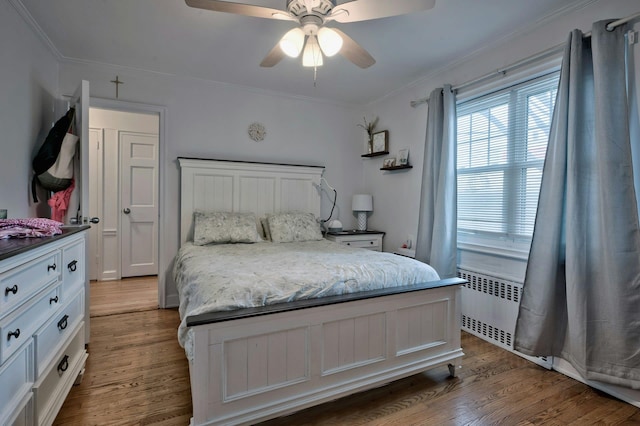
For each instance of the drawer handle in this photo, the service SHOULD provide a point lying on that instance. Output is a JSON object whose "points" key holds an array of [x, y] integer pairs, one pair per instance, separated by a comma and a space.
{"points": [[15, 334], [50, 267], [53, 300], [348, 244], [371, 242], [64, 364], [72, 266], [13, 290], [62, 324]]}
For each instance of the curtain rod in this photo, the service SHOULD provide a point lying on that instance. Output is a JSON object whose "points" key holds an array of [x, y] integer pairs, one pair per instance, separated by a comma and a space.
{"points": [[525, 61]]}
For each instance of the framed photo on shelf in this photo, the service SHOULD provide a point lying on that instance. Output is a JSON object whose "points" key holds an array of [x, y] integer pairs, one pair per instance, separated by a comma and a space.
{"points": [[389, 162], [403, 157], [380, 142]]}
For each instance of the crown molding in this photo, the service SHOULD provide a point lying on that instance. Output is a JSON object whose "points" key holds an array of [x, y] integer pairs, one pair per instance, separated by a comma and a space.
{"points": [[31, 22]]}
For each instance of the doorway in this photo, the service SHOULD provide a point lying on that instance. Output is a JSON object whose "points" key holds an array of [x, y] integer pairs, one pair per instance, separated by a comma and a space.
{"points": [[124, 193]]}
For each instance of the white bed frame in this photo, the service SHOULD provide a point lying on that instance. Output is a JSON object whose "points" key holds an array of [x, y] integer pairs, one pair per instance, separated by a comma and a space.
{"points": [[255, 364]]}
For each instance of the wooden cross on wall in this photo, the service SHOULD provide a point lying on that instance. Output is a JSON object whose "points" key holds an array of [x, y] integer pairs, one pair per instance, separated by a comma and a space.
{"points": [[117, 82]]}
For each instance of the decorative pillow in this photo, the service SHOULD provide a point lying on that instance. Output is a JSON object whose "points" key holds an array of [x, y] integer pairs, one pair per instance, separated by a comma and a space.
{"points": [[265, 229], [293, 226], [224, 227]]}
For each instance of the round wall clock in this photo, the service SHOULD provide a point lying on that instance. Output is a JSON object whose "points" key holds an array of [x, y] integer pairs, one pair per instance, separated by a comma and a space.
{"points": [[257, 132]]}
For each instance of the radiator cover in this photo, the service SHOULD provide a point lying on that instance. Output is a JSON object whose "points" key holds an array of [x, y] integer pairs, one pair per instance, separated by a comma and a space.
{"points": [[490, 310]]}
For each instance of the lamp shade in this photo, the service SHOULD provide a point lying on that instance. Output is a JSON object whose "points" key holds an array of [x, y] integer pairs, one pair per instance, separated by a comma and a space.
{"points": [[292, 42], [330, 41], [362, 203], [312, 56]]}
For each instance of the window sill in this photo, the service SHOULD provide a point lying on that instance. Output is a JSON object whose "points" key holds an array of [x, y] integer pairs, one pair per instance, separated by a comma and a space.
{"points": [[509, 253]]}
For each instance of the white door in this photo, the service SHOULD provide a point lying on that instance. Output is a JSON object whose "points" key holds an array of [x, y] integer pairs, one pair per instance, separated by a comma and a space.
{"points": [[104, 195], [79, 200], [139, 203], [95, 202]]}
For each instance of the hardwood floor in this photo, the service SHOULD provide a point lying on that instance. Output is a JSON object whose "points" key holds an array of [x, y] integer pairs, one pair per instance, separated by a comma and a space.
{"points": [[123, 296], [137, 374]]}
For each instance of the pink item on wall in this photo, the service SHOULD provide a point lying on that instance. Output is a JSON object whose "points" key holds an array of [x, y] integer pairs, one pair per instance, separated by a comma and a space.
{"points": [[59, 202]]}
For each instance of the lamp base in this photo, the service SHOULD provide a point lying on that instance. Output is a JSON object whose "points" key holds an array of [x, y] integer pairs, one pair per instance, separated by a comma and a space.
{"points": [[362, 221]]}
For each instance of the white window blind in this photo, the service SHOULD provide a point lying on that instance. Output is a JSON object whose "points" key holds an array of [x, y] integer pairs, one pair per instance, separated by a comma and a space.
{"points": [[501, 144]]}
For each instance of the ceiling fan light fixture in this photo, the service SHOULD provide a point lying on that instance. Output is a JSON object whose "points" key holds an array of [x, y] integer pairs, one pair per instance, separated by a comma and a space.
{"points": [[291, 43], [312, 56], [330, 41]]}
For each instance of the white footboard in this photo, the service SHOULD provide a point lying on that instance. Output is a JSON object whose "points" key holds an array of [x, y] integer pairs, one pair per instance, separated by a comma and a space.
{"points": [[252, 369]]}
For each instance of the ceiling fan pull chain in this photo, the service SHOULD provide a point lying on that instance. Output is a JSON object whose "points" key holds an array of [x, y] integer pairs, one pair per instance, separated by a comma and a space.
{"points": [[315, 75]]}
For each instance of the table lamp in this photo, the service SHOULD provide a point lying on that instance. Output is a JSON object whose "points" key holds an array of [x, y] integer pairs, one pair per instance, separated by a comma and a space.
{"points": [[362, 203]]}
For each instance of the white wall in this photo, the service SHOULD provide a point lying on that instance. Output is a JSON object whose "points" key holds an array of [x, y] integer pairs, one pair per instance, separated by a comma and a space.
{"points": [[210, 120], [396, 194], [28, 83]]}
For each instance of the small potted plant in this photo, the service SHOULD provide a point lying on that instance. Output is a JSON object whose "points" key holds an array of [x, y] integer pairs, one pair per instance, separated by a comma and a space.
{"points": [[370, 128]]}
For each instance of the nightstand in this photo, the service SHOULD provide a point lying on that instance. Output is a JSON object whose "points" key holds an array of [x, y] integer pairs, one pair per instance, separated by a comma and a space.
{"points": [[371, 240]]}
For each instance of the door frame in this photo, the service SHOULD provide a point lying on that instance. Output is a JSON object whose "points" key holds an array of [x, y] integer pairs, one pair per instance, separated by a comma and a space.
{"points": [[125, 106]]}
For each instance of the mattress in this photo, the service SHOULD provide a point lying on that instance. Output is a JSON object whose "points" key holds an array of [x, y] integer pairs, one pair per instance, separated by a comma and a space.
{"points": [[225, 277]]}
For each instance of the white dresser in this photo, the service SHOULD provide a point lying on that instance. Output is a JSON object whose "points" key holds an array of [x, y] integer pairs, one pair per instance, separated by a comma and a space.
{"points": [[43, 324], [371, 240]]}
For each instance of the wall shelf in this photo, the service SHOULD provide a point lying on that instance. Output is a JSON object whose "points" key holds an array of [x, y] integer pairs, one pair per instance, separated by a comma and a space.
{"points": [[406, 166], [375, 154]]}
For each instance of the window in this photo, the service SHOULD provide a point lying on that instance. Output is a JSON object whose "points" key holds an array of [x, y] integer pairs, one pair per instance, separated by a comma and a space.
{"points": [[502, 142]]}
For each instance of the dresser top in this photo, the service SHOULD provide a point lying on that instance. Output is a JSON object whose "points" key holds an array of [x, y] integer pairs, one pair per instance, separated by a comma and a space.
{"points": [[355, 232], [12, 246]]}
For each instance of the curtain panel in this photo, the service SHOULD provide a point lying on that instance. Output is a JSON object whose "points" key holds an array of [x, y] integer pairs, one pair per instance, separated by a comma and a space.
{"points": [[581, 297], [436, 241]]}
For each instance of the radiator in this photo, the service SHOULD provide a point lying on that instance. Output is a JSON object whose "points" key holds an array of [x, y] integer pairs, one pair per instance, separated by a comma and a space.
{"points": [[490, 310]]}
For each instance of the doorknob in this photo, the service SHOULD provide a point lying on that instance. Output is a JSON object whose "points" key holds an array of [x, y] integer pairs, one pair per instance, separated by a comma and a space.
{"points": [[126, 210], [94, 220]]}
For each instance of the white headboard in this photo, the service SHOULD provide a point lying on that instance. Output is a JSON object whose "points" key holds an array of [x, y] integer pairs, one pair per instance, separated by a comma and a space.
{"points": [[237, 186]]}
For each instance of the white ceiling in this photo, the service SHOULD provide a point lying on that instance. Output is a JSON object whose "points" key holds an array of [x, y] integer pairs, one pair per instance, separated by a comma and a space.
{"points": [[169, 37]]}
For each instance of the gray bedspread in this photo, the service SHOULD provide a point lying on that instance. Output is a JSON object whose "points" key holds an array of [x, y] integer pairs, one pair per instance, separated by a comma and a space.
{"points": [[231, 276]]}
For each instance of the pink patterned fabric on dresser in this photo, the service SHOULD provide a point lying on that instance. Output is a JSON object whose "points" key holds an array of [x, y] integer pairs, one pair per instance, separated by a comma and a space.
{"points": [[31, 227]]}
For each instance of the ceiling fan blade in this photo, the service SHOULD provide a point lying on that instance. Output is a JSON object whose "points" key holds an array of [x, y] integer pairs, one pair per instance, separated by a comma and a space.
{"points": [[273, 57], [363, 10], [354, 52], [240, 9]]}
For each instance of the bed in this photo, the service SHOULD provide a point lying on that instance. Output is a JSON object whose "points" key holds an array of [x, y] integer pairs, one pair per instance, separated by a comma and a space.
{"points": [[260, 351]]}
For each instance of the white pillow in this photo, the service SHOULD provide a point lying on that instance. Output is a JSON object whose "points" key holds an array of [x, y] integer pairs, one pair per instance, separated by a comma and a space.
{"points": [[224, 227], [293, 226]]}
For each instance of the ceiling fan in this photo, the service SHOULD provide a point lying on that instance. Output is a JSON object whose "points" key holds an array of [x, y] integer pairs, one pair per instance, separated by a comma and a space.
{"points": [[312, 35]]}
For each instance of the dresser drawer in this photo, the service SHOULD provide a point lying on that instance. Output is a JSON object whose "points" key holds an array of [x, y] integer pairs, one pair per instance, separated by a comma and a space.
{"points": [[51, 389], [364, 243], [22, 282], [20, 326], [50, 338], [73, 264], [366, 240], [16, 377], [24, 414]]}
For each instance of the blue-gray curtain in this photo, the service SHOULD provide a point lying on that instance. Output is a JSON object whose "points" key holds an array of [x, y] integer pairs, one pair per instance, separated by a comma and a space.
{"points": [[581, 297], [437, 221]]}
